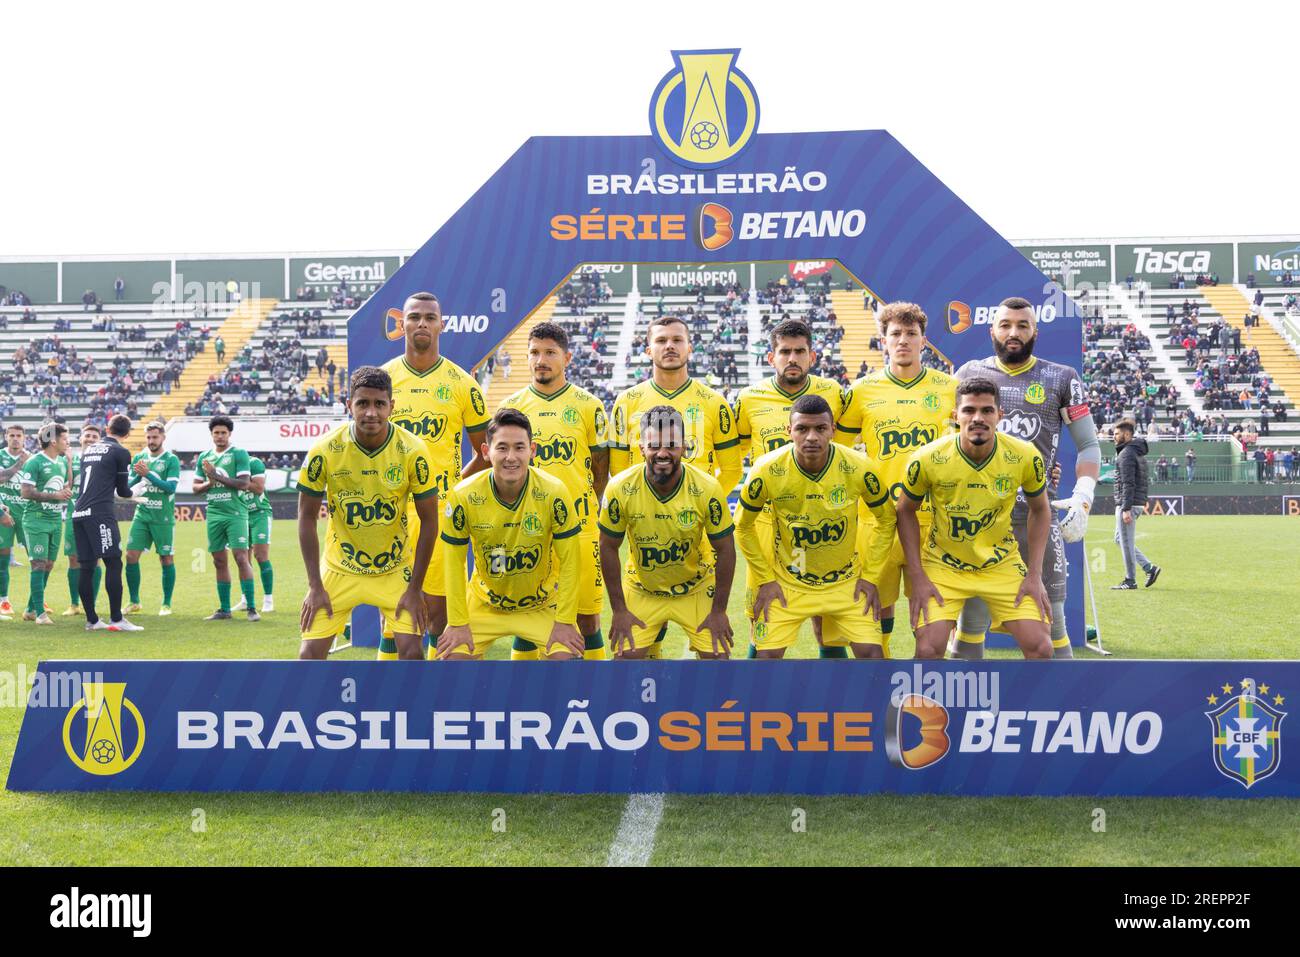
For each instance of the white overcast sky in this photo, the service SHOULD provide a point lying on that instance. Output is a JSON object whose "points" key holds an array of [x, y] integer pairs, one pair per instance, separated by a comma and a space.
{"points": [[267, 126]]}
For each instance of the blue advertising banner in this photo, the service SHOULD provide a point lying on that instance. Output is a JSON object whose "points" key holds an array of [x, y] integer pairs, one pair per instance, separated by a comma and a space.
{"points": [[705, 187], [1205, 729]]}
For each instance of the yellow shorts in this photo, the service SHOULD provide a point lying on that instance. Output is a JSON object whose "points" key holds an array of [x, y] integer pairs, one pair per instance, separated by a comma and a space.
{"points": [[433, 583], [686, 610], [487, 624], [997, 586], [843, 620], [346, 592], [591, 583], [763, 526]]}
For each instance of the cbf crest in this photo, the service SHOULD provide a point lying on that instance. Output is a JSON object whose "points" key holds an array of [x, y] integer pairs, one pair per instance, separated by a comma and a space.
{"points": [[1246, 736], [704, 112]]}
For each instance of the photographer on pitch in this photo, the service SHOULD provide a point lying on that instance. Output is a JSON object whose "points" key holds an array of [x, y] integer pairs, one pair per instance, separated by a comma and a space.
{"points": [[1131, 486]]}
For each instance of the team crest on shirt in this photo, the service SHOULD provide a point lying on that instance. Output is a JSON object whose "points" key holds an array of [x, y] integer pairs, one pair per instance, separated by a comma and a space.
{"points": [[532, 525], [931, 401], [570, 415], [686, 518], [838, 495], [393, 476], [692, 414], [1036, 394], [1003, 485], [443, 392]]}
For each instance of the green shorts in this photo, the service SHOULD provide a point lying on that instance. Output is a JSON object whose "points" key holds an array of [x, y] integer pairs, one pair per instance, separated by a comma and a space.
{"points": [[147, 532], [227, 531], [259, 528], [42, 540], [12, 533]]}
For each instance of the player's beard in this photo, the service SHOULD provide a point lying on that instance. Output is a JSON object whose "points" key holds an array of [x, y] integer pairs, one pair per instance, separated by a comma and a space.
{"points": [[793, 384], [664, 364], [663, 478], [1021, 354]]}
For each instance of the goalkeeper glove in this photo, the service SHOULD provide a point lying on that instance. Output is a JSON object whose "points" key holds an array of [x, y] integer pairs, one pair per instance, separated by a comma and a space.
{"points": [[1077, 506]]}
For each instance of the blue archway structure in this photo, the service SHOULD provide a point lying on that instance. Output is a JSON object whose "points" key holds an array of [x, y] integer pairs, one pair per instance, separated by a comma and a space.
{"points": [[858, 197]]}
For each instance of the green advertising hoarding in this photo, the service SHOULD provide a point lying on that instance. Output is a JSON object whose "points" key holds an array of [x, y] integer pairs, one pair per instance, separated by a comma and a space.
{"points": [[1268, 261], [322, 275], [212, 279], [40, 281], [1157, 263], [1071, 265], [617, 275], [677, 278], [140, 278]]}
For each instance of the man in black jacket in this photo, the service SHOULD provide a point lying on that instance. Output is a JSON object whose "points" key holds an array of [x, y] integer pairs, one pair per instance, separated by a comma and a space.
{"points": [[1130, 502]]}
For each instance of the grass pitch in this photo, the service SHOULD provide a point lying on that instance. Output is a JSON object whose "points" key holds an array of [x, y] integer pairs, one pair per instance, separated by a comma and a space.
{"points": [[1229, 590]]}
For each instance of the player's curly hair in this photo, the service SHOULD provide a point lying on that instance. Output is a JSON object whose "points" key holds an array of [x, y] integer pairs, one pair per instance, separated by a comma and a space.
{"points": [[508, 416], [50, 432], [791, 329], [216, 422], [552, 331], [663, 417], [904, 313], [370, 377]]}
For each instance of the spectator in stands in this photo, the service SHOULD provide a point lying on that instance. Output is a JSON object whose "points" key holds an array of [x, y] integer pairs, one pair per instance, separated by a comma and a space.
{"points": [[219, 346], [1162, 469], [1190, 457], [119, 288]]}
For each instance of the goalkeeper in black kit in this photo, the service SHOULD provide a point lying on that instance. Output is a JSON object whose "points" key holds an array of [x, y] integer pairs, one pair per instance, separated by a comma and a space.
{"points": [[105, 473]]}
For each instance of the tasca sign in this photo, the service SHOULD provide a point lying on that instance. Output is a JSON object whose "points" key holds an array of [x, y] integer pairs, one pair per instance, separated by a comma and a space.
{"points": [[257, 434], [1155, 262]]}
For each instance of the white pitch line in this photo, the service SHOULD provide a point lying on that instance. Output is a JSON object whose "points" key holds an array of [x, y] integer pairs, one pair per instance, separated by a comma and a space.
{"points": [[635, 840]]}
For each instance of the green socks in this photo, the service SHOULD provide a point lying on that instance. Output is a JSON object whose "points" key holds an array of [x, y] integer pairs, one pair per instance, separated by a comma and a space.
{"points": [[246, 586], [74, 586], [37, 602], [268, 577], [169, 583], [133, 581], [223, 595]]}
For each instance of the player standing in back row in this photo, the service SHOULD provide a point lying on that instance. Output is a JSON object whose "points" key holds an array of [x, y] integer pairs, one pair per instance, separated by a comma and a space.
{"points": [[896, 411], [259, 531], [712, 443], [763, 425], [88, 437], [1036, 397], [47, 489], [569, 436], [224, 472], [440, 402]]}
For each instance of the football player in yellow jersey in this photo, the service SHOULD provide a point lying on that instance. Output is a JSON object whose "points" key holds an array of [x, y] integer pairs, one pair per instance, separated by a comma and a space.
{"points": [[711, 441], [667, 508], [438, 401], [894, 412], [813, 486], [521, 525], [763, 424], [971, 480], [569, 443], [366, 472]]}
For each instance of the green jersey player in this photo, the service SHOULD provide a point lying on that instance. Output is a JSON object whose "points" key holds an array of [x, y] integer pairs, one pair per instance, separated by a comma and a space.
{"points": [[259, 531], [154, 475], [223, 472], [47, 488], [12, 458]]}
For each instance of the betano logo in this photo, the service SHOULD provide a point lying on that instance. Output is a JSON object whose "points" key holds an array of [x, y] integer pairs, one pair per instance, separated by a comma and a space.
{"points": [[104, 749], [962, 316], [705, 111], [450, 323], [711, 226], [934, 742]]}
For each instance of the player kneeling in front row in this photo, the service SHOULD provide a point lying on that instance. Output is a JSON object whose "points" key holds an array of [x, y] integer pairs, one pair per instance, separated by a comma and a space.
{"points": [[667, 508], [367, 472], [971, 480], [813, 487], [524, 534]]}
